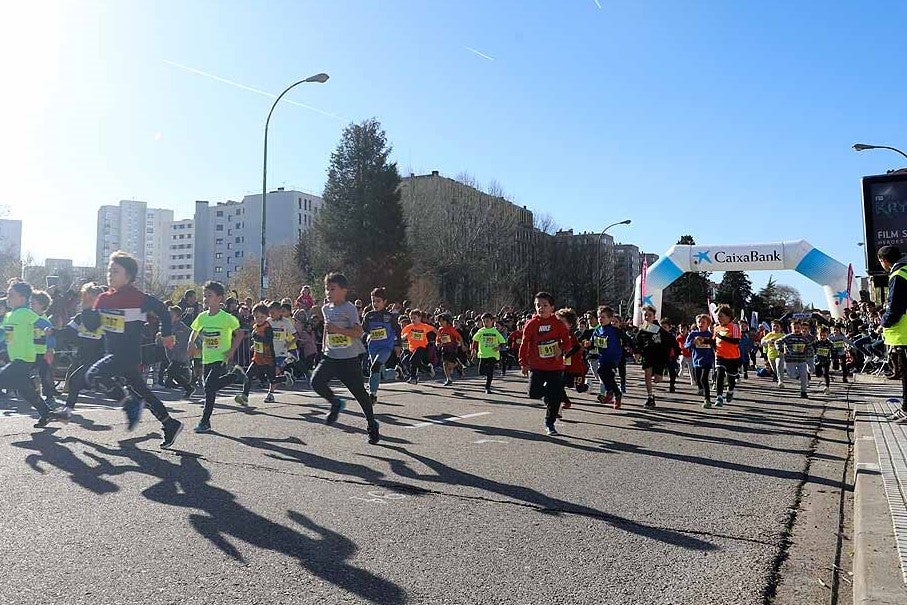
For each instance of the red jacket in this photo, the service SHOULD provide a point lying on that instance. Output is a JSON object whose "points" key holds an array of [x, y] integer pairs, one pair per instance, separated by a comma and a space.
{"points": [[537, 351]]}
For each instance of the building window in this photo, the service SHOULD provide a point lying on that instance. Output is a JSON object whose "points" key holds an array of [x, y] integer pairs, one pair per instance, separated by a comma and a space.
{"points": [[219, 255], [238, 253], [220, 213], [229, 246], [219, 228], [219, 241], [218, 269]]}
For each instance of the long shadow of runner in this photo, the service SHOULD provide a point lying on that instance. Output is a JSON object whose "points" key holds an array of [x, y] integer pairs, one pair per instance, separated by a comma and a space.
{"points": [[545, 504], [186, 485]]}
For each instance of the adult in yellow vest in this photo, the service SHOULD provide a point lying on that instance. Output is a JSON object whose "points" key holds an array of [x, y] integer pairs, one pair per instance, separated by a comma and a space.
{"points": [[894, 320]]}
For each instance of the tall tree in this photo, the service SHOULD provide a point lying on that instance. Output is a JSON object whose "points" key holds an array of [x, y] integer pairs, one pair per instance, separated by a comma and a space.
{"points": [[735, 290], [361, 228], [686, 297]]}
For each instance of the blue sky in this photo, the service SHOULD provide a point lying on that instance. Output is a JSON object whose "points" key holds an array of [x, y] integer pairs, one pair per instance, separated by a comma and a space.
{"points": [[729, 120]]}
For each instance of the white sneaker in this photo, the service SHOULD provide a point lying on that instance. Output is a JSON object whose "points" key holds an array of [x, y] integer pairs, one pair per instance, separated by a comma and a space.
{"points": [[64, 414], [897, 416], [826, 390], [780, 384]]}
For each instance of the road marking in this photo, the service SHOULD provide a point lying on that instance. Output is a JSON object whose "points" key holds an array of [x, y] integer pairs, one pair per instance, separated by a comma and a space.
{"points": [[380, 497], [444, 420], [489, 441]]}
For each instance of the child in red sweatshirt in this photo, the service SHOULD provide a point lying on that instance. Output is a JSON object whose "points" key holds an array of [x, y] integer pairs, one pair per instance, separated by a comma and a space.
{"points": [[545, 341]]}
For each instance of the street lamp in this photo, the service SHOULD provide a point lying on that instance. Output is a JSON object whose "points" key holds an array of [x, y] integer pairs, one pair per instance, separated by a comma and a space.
{"points": [[863, 147], [262, 284], [599, 253]]}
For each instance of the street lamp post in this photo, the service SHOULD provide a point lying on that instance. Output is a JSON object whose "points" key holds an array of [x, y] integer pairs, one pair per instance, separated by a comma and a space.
{"points": [[864, 147], [598, 286], [262, 284]]}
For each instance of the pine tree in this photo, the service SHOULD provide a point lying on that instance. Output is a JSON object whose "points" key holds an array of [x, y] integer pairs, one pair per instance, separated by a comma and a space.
{"points": [[360, 229], [735, 290]]}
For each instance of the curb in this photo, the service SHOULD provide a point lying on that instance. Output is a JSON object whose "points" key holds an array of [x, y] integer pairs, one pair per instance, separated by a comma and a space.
{"points": [[877, 575]]}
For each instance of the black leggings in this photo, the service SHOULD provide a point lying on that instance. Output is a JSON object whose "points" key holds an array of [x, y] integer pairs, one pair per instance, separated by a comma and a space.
{"points": [[606, 374], [349, 373], [215, 379], [419, 359], [17, 376], [486, 369], [75, 381], [547, 385], [726, 368], [103, 376], [264, 372], [702, 380]]}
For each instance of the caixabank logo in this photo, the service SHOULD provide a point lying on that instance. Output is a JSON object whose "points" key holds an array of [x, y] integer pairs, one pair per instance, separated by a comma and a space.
{"points": [[720, 256]]}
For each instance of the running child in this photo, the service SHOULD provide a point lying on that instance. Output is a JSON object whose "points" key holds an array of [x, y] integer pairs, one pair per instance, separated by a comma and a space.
{"points": [[262, 365], [450, 343], [653, 343], [416, 335], [121, 312], [45, 343], [221, 336], [89, 348], [727, 354], [486, 345], [824, 350], [541, 358], [381, 330], [773, 353], [19, 331], [839, 351], [342, 348], [609, 342], [574, 364], [797, 352], [700, 343]]}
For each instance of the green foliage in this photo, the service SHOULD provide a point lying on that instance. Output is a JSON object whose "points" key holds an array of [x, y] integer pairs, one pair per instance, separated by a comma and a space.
{"points": [[361, 229], [735, 290]]}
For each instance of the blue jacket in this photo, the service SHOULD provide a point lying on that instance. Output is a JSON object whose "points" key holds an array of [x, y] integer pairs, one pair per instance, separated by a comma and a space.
{"points": [[609, 343], [703, 356]]}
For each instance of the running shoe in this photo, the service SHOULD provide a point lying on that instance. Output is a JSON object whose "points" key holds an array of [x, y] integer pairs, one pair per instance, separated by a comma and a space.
{"points": [[269, 398], [550, 430], [826, 390], [706, 404], [241, 399], [650, 402], [780, 384], [431, 371], [623, 388], [240, 372], [336, 407], [374, 398], [804, 395], [898, 415], [488, 390], [289, 379], [373, 435], [729, 397], [203, 427], [42, 422], [566, 404], [448, 382], [901, 420], [617, 402], [172, 429], [64, 414], [133, 407], [719, 401]]}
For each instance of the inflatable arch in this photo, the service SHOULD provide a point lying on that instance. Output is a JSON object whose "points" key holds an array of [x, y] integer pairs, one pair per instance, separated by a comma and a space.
{"points": [[800, 256]]}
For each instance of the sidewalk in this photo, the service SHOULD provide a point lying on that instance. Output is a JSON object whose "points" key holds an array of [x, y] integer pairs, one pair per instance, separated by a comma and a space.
{"points": [[880, 497]]}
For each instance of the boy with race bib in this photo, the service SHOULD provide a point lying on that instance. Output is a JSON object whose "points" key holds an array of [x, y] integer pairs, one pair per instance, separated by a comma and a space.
{"points": [[342, 348], [542, 358]]}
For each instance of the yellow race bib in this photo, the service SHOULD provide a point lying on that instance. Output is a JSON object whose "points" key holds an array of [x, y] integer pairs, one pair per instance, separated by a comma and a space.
{"points": [[823, 352], [211, 340], [490, 340], [113, 320], [339, 341], [378, 334], [548, 350], [445, 339], [259, 347], [601, 342]]}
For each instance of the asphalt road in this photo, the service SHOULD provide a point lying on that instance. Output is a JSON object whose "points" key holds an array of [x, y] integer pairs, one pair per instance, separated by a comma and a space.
{"points": [[464, 501]]}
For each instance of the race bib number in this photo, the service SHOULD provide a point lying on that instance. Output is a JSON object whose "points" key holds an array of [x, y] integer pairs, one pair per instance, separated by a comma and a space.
{"points": [[339, 341], [211, 340], [489, 340], [823, 352], [38, 336], [259, 347], [839, 345], [568, 361], [548, 350], [601, 342], [113, 320], [798, 347], [445, 339], [417, 334], [8, 332], [378, 334]]}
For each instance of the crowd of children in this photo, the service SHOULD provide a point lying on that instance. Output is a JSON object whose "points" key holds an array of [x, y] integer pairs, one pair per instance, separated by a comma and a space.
{"points": [[120, 331]]}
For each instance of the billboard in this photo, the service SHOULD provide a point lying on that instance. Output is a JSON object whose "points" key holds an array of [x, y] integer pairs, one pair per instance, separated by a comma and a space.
{"points": [[884, 216]]}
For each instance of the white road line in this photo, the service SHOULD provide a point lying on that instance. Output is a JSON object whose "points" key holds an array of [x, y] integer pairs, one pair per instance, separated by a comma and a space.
{"points": [[444, 420], [490, 441]]}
